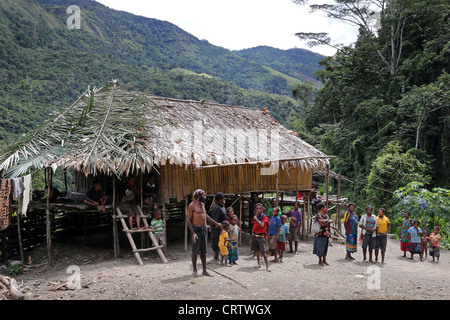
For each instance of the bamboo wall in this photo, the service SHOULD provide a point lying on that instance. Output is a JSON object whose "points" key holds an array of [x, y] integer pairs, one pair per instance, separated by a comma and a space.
{"points": [[180, 181]]}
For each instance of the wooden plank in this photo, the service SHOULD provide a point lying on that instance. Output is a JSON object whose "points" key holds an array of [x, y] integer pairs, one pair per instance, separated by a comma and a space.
{"points": [[130, 239]]}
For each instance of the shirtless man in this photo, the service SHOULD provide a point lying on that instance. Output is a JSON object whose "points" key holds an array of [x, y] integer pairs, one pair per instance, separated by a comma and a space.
{"points": [[196, 220]]}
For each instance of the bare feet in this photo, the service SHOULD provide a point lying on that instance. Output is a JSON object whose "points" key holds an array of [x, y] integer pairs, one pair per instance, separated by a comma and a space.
{"points": [[258, 266], [205, 273]]}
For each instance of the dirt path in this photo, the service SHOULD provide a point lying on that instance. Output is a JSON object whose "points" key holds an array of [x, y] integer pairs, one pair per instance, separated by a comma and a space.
{"points": [[298, 277]]}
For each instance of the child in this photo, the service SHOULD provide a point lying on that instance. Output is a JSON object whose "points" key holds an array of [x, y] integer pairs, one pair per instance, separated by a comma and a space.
{"points": [[414, 238], [257, 242], [424, 243], [230, 214], [158, 224], [284, 230], [295, 225], [435, 237], [274, 233], [224, 243], [233, 233], [95, 196]]}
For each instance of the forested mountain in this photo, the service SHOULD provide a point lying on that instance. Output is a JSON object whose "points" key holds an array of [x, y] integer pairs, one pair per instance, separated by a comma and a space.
{"points": [[44, 65], [297, 63]]}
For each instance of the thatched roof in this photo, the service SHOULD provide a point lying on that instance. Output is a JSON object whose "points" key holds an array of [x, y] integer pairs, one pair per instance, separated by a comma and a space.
{"points": [[203, 134], [115, 130]]}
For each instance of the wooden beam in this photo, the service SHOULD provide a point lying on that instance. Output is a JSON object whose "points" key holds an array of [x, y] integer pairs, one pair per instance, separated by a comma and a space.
{"points": [[115, 238], [185, 223], [47, 214], [264, 162], [338, 205], [328, 185]]}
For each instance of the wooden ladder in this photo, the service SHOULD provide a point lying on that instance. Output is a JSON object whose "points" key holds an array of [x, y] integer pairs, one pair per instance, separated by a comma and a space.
{"points": [[148, 229]]}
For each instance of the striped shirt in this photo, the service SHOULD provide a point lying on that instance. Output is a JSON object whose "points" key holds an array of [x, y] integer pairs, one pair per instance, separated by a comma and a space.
{"points": [[158, 225]]}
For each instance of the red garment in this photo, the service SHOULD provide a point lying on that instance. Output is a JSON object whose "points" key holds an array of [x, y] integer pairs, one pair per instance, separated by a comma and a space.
{"points": [[299, 196], [257, 228]]}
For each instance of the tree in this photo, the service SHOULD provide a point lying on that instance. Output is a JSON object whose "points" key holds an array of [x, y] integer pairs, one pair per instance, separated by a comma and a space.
{"points": [[431, 208], [387, 18], [392, 169]]}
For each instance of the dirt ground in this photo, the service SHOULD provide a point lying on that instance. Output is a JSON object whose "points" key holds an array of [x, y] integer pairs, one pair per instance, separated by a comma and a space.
{"points": [[298, 277]]}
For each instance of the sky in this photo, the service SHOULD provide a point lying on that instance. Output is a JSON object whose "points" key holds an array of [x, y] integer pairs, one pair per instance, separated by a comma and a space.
{"points": [[241, 24]]}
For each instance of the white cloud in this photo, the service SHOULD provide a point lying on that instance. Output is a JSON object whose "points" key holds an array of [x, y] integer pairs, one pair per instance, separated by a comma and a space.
{"points": [[239, 24]]}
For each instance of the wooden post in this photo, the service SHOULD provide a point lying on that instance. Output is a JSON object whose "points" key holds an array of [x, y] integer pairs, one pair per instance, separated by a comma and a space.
{"points": [[115, 240], [143, 238], [185, 223], [276, 182], [47, 213], [19, 232], [338, 205], [304, 220], [165, 226], [65, 180], [328, 185], [309, 216], [241, 204]]}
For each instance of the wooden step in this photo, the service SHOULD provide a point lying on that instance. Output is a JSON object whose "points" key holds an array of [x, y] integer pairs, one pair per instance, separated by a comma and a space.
{"points": [[139, 230], [148, 249]]}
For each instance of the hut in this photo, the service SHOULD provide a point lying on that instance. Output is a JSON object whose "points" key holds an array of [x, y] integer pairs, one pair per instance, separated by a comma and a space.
{"points": [[114, 132]]}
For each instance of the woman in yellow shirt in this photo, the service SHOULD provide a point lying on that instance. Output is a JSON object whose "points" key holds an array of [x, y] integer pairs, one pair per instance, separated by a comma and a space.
{"points": [[384, 226]]}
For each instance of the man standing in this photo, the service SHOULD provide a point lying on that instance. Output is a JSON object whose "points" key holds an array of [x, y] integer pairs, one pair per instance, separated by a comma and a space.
{"points": [[219, 214], [196, 220], [368, 224], [384, 226]]}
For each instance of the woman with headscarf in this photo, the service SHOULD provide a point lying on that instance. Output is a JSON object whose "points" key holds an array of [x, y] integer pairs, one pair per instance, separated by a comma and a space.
{"points": [[351, 231]]}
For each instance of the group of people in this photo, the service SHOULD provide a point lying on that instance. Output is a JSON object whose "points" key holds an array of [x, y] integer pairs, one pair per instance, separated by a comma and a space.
{"points": [[270, 234], [416, 241], [128, 201], [374, 235], [267, 229]]}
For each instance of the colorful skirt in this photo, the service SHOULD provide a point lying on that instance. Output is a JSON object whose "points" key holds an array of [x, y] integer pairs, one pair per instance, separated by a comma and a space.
{"points": [[320, 246], [434, 251], [405, 246], [233, 251], [416, 248], [351, 243]]}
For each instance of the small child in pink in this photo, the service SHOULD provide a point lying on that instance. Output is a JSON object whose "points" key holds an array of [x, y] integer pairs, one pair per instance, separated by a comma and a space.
{"points": [[435, 237]]}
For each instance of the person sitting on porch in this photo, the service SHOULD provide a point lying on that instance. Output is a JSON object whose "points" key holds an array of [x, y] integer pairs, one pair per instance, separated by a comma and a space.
{"points": [[151, 192], [126, 201], [95, 196]]}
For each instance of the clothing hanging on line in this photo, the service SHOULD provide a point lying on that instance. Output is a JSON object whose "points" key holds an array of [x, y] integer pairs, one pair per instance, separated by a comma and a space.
{"points": [[24, 200], [17, 188]]}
